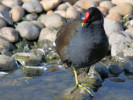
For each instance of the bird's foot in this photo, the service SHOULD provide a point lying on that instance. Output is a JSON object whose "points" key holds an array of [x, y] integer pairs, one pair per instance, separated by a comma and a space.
{"points": [[84, 86]]}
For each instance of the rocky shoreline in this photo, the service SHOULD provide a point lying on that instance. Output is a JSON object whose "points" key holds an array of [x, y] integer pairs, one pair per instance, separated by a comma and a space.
{"points": [[28, 30]]}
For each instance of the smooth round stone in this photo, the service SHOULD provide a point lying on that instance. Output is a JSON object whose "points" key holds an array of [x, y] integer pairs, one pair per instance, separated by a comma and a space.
{"points": [[33, 6], [71, 1], [4, 8], [50, 4], [39, 24], [130, 30], [50, 12], [7, 63], [107, 4], [72, 13], [6, 17], [117, 2], [17, 13], [63, 7], [123, 9], [2, 23], [85, 4], [104, 10], [9, 34], [128, 66], [111, 26], [115, 16], [52, 21], [32, 16], [12, 3], [28, 30], [62, 13]]}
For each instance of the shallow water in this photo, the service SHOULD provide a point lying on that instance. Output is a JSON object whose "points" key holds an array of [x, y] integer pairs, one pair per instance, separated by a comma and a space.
{"points": [[50, 85]]}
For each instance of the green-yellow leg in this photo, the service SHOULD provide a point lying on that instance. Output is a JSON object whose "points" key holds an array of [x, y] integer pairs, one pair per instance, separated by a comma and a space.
{"points": [[80, 85]]}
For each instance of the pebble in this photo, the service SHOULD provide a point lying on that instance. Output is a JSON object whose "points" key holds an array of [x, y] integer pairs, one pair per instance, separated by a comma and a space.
{"points": [[107, 4], [40, 25], [117, 2], [128, 66], [32, 16], [7, 63], [33, 6], [9, 34], [57, 21], [2, 23], [85, 4], [6, 16], [123, 9], [17, 13], [28, 30], [72, 13], [50, 4], [63, 7], [130, 30], [111, 26], [62, 13], [12, 3], [104, 10], [4, 8], [115, 16]]}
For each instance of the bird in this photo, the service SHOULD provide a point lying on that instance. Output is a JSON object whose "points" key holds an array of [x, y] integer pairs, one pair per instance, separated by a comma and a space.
{"points": [[82, 43]]}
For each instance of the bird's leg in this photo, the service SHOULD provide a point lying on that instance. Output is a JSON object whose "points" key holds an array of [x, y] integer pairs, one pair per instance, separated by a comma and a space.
{"points": [[80, 85]]}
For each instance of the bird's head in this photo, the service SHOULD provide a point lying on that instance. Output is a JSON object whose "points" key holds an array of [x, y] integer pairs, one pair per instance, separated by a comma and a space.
{"points": [[91, 15]]}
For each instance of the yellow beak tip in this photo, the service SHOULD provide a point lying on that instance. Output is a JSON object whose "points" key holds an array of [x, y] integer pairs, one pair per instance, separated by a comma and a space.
{"points": [[83, 24]]}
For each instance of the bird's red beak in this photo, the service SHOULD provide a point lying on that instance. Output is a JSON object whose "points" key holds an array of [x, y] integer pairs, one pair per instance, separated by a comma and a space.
{"points": [[86, 18]]}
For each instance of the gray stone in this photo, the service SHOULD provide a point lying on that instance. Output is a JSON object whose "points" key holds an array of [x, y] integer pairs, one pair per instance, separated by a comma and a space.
{"points": [[128, 66], [27, 59], [6, 16], [121, 47], [117, 2], [12, 3], [63, 7], [7, 63], [39, 24], [102, 70], [111, 26], [52, 21], [32, 16], [9, 34], [4, 8], [33, 6], [28, 30], [2, 22], [115, 69]]}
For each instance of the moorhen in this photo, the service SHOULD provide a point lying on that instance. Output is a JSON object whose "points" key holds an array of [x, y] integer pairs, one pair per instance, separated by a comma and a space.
{"points": [[82, 43]]}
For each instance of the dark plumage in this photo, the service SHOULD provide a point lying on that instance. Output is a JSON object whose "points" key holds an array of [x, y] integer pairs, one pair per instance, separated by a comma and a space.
{"points": [[80, 46]]}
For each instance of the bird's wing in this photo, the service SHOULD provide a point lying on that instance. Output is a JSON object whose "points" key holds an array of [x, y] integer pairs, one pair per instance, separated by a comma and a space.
{"points": [[64, 36]]}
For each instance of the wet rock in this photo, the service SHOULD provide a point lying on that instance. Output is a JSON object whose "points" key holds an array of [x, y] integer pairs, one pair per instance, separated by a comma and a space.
{"points": [[4, 8], [123, 9], [104, 10], [6, 47], [61, 13], [11, 3], [17, 13], [32, 16], [33, 70], [106, 4], [47, 34], [72, 13], [115, 69], [6, 16], [117, 2], [7, 63], [37, 23], [111, 26], [102, 70], [130, 30], [79, 94], [2, 23], [63, 7], [27, 59], [50, 4], [52, 21], [33, 6], [28, 30], [115, 16], [9, 34], [128, 66], [52, 58], [121, 47], [91, 79], [85, 4]]}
